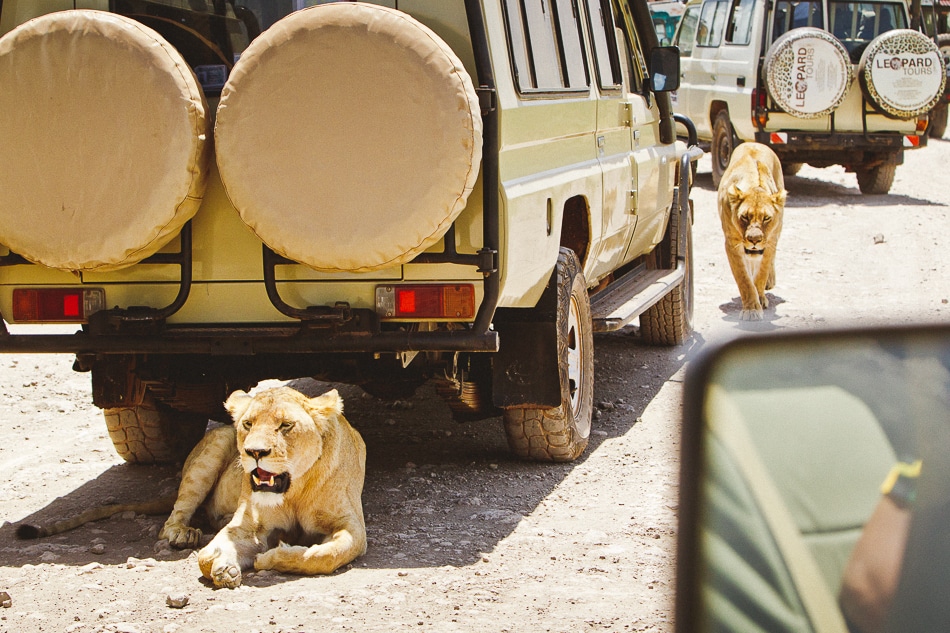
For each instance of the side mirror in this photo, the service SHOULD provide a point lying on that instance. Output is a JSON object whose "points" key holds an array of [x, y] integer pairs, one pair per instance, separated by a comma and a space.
{"points": [[815, 484], [665, 69]]}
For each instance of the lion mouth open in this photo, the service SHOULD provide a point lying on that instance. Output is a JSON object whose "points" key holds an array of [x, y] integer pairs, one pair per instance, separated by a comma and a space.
{"points": [[264, 481], [754, 251]]}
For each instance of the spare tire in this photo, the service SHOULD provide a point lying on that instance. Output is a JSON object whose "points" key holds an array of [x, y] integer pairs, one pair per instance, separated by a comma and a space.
{"points": [[103, 131], [348, 137], [902, 73], [808, 72]]}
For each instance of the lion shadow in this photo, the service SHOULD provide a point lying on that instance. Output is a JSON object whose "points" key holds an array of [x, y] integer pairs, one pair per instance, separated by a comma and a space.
{"points": [[732, 312], [437, 492]]}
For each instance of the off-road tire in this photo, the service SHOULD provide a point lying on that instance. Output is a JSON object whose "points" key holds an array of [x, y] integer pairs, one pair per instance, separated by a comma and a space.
{"points": [[876, 180], [938, 121], [723, 144], [152, 432], [790, 169], [670, 321], [560, 434]]}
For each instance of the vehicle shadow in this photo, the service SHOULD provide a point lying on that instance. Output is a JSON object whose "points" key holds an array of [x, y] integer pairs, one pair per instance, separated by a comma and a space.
{"points": [[437, 492], [810, 192]]}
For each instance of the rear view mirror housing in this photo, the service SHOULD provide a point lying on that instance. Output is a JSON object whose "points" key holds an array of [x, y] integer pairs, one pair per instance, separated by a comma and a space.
{"points": [[788, 442], [664, 69]]}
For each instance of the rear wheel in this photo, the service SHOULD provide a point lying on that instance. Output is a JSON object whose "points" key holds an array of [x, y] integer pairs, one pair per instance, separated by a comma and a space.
{"points": [[670, 321], [790, 169], [723, 144], [938, 121], [153, 432], [876, 180], [560, 434]]}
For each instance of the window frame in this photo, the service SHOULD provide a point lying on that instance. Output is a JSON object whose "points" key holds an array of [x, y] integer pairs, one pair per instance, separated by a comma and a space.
{"points": [[521, 52]]}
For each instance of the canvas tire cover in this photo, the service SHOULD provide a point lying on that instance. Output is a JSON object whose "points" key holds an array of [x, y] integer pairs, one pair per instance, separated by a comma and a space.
{"points": [[808, 72], [103, 133], [348, 137], [902, 73]]}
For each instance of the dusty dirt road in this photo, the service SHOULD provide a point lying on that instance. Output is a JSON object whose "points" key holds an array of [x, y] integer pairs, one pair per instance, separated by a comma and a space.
{"points": [[463, 538]]}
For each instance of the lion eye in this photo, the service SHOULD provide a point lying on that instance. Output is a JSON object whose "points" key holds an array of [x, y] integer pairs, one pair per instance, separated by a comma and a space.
{"points": [[767, 219], [286, 426], [247, 425]]}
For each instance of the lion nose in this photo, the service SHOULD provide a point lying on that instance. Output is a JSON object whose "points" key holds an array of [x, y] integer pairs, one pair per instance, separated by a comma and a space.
{"points": [[755, 235], [257, 453]]}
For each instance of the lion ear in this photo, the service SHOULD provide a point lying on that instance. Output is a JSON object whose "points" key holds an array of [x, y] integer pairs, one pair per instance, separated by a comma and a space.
{"points": [[237, 403], [327, 404], [735, 194], [779, 197]]}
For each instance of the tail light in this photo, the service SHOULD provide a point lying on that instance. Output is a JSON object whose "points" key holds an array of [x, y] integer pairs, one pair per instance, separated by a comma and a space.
{"points": [[922, 122], [760, 110], [56, 305], [426, 301]]}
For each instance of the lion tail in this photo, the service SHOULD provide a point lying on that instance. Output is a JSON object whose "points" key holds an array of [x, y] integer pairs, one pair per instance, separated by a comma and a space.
{"points": [[27, 531]]}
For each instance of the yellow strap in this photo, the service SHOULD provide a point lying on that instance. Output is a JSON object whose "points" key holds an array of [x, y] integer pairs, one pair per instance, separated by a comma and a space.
{"points": [[911, 471], [820, 604]]}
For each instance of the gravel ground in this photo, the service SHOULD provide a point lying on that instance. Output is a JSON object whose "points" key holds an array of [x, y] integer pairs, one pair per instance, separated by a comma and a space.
{"points": [[462, 537]]}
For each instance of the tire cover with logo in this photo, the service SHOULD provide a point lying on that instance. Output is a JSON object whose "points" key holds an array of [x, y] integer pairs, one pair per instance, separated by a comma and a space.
{"points": [[104, 141], [808, 72], [348, 137], [902, 73]]}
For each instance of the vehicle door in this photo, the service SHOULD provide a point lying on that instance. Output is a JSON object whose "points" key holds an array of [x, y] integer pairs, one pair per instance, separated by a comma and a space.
{"points": [[613, 137], [685, 39], [654, 163], [703, 69]]}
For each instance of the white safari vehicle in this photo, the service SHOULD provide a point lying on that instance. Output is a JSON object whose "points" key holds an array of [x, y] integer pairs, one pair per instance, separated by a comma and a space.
{"points": [[222, 191], [823, 82]]}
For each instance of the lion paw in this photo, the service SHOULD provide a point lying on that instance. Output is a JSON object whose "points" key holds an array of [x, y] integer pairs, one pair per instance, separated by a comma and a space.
{"points": [[228, 576], [181, 536], [752, 315]]}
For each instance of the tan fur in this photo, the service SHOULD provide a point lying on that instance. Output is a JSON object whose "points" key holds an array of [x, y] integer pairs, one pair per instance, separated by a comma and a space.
{"points": [[751, 208], [321, 515]]}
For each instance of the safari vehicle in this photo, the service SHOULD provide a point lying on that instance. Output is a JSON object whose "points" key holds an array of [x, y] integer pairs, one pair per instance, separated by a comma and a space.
{"points": [[459, 191], [814, 492], [823, 82]]}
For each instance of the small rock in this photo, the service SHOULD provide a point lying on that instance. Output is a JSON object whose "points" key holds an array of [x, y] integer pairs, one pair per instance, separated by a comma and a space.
{"points": [[410, 466], [177, 600], [605, 406], [599, 433], [879, 238], [98, 548], [5, 600], [91, 567]]}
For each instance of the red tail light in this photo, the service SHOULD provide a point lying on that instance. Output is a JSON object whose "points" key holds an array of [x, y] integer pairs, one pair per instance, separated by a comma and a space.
{"points": [[426, 301], [760, 110], [56, 305]]}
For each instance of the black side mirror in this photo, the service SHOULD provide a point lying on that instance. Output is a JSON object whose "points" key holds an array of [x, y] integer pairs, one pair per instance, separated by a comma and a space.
{"points": [[665, 69]]}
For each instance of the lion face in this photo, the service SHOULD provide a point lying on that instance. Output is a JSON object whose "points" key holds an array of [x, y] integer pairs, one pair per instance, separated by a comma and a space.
{"points": [[755, 212], [279, 436]]}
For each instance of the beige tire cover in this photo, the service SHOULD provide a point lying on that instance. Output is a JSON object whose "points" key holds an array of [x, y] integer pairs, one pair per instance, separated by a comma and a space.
{"points": [[348, 137], [103, 133], [808, 72], [902, 73]]}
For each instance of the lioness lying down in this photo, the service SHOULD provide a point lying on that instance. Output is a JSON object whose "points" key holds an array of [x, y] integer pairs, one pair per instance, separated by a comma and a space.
{"points": [[751, 205], [286, 479]]}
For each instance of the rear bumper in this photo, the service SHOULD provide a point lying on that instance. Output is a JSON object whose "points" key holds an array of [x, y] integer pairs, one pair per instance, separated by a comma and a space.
{"points": [[837, 147]]}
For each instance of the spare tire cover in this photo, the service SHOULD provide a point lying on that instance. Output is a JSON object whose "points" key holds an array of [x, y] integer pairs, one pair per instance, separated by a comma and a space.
{"points": [[103, 131], [902, 73], [808, 72], [348, 137]]}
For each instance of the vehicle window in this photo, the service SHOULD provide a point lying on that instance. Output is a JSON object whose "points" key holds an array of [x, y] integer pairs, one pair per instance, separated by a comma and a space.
{"points": [[739, 30], [209, 32], [792, 15], [604, 34], [857, 23], [546, 45], [711, 23], [686, 34]]}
